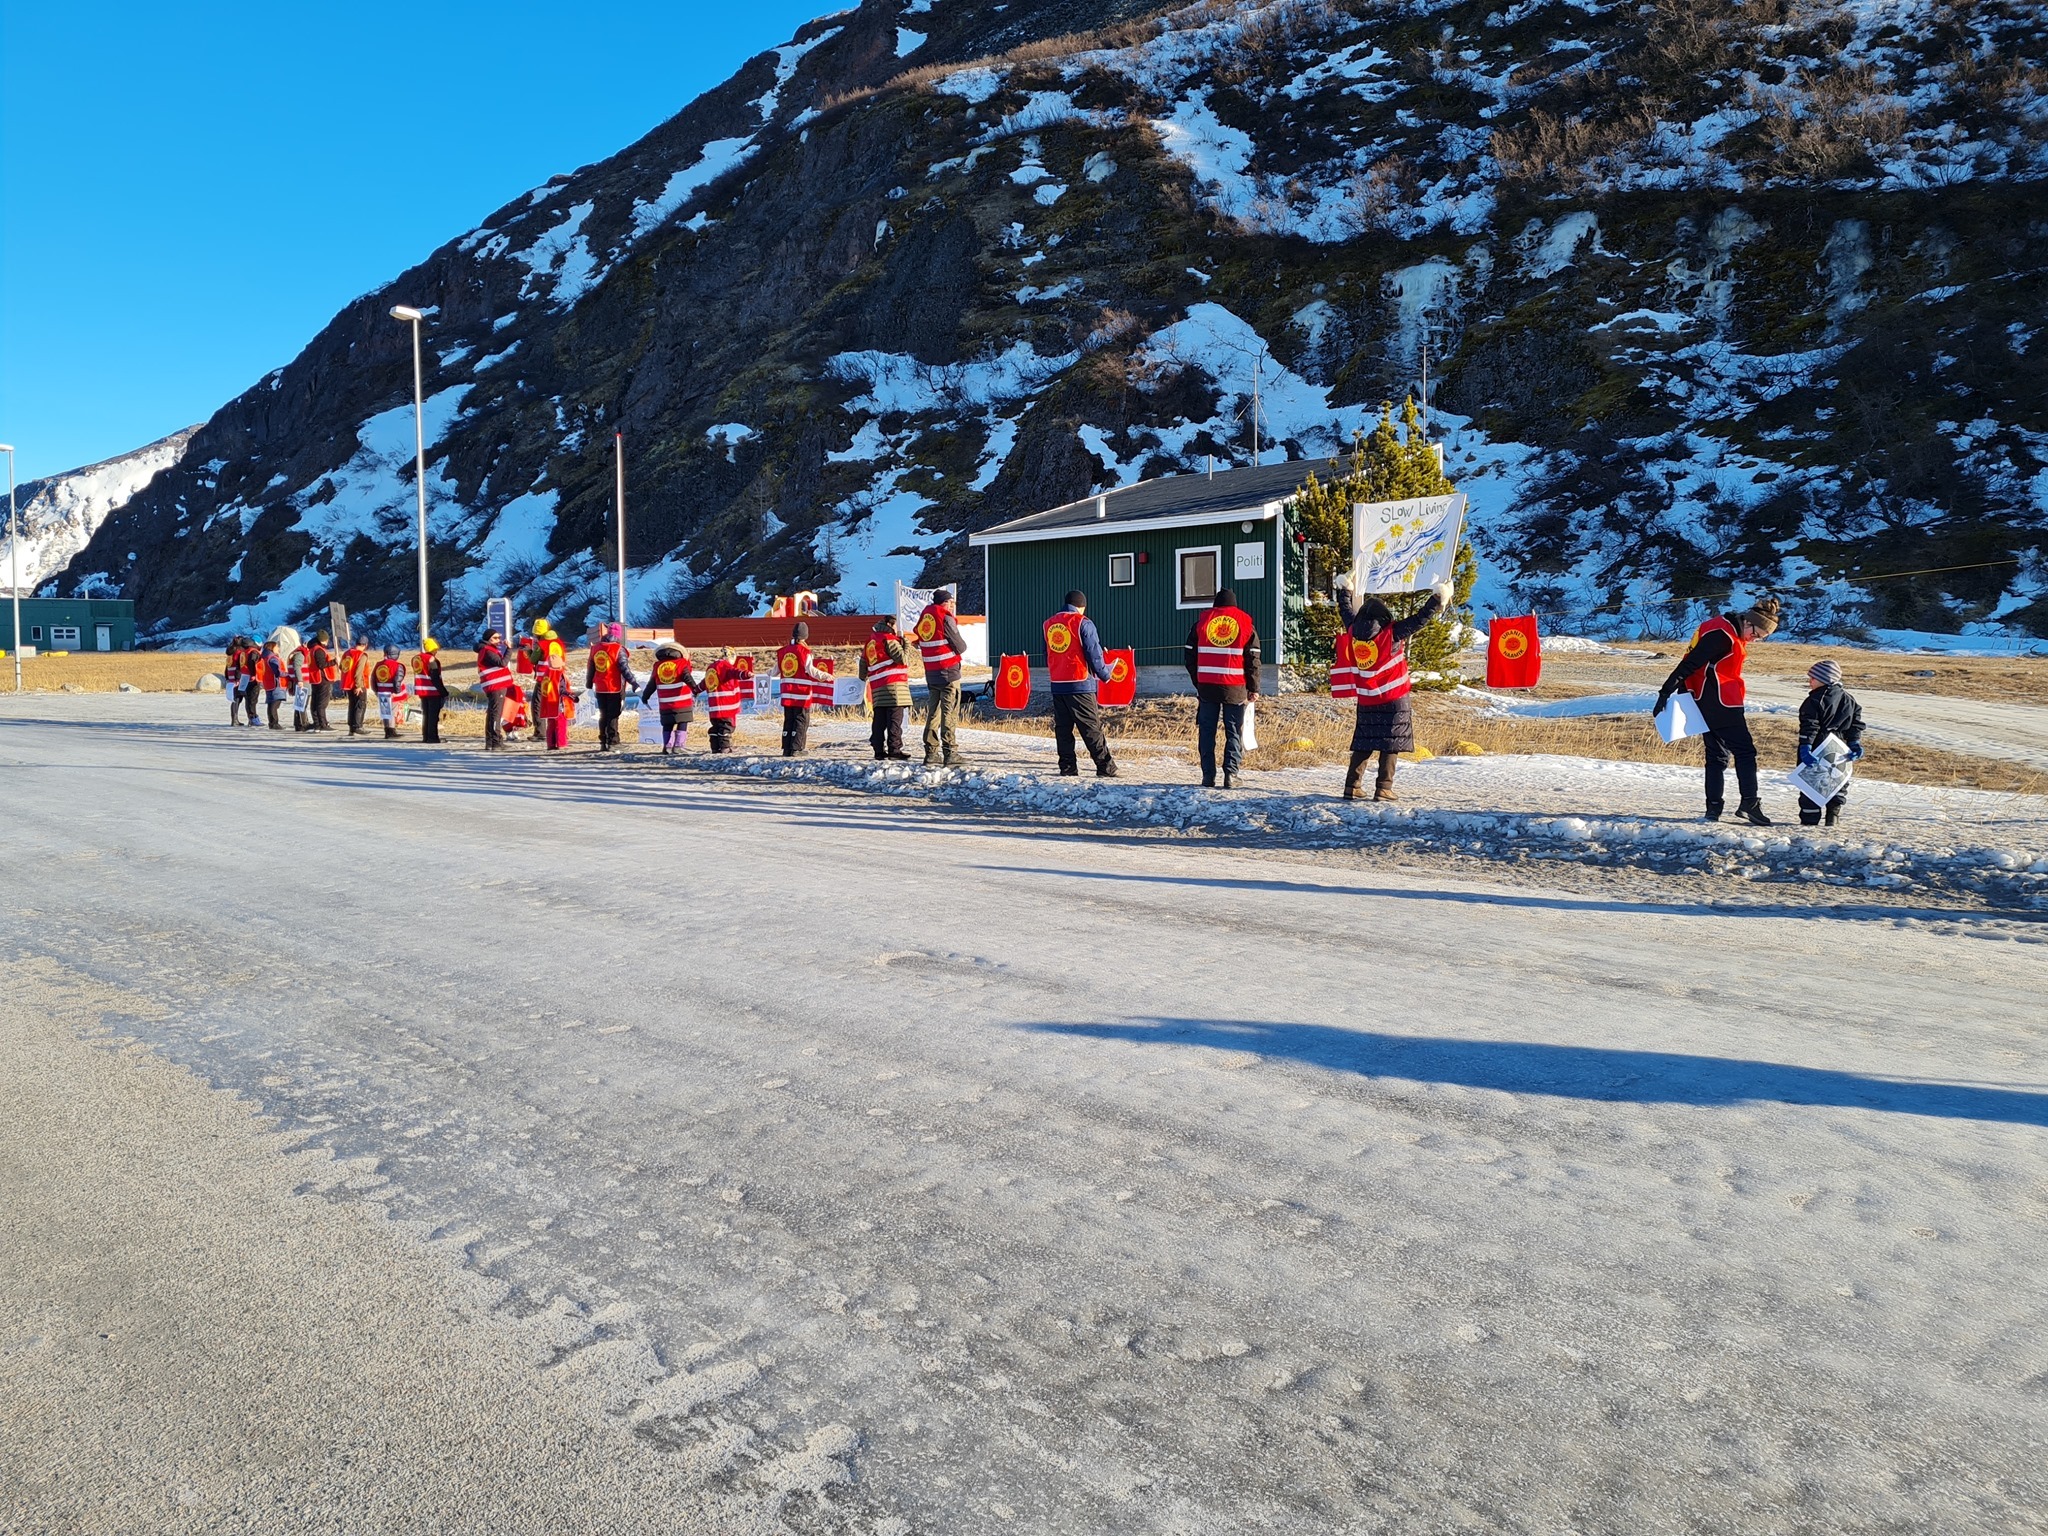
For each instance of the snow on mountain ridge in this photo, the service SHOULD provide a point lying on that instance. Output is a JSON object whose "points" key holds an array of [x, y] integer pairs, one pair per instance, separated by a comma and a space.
{"points": [[59, 514]]}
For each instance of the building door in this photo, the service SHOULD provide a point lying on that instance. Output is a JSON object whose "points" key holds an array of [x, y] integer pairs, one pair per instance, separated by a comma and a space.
{"points": [[103, 637]]}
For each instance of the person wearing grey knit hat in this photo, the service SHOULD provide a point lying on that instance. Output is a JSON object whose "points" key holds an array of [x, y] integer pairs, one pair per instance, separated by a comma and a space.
{"points": [[1711, 671], [1828, 709]]}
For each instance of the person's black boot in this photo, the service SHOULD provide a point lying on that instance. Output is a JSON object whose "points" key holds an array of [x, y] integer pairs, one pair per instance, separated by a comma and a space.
{"points": [[1229, 779], [1832, 816], [1752, 811], [1713, 813]]}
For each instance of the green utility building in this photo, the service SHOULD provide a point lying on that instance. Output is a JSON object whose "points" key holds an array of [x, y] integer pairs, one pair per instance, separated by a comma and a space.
{"points": [[70, 623], [1150, 556]]}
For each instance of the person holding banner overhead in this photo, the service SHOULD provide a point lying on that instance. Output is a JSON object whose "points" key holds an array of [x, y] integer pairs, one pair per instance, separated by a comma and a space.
{"points": [[1074, 663], [1222, 658], [1379, 680], [885, 667], [797, 673], [1711, 671]]}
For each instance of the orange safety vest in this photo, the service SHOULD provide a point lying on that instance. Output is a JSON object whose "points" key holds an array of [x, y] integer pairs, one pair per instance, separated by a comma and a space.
{"points": [[723, 694], [938, 652], [672, 683], [1379, 669], [267, 673], [1065, 661], [607, 672], [1727, 671], [1220, 639], [547, 694], [426, 676], [884, 670], [388, 676], [321, 662], [352, 661]]}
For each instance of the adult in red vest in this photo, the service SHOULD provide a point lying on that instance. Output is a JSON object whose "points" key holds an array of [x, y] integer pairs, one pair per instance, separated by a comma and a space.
{"points": [[1380, 683], [726, 684], [270, 679], [298, 678], [354, 679], [232, 678], [671, 688], [608, 675], [553, 705], [798, 673], [430, 688], [885, 668], [1074, 663], [387, 681], [1222, 658], [321, 673], [941, 647], [252, 686], [525, 665], [1711, 671], [494, 676]]}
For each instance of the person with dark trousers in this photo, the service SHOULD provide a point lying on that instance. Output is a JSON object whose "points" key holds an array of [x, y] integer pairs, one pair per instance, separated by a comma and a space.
{"points": [[608, 674], [1828, 709], [387, 681], [672, 689], [1222, 658], [885, 668], [355, 684], [494, 676], [725, 681], [252, 682], [298, 677], [798, 674], [321, 673], [1380, 681], [430, 688], [941, 647], [270, 674], [1711, 671], [1074, 663], [231, 677]]}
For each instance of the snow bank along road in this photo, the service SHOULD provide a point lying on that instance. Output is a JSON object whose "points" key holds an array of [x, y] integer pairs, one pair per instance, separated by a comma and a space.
{"points": [[863, 1165]]}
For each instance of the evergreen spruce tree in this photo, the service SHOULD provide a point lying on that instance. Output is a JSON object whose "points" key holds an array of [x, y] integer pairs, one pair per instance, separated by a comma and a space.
{"points": [[1386, 464]]}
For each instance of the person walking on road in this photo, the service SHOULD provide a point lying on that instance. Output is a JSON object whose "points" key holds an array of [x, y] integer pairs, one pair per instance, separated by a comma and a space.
{"points": [[941, 646], [608, 675], [355, 684], [494, 676], [387, 682], [1074, 663], [1380, 682], [1828, 709], [885, 668], [798, 673], [430, 688], [725, 683], [1222, 658], [1711, 671], [671, 688]]}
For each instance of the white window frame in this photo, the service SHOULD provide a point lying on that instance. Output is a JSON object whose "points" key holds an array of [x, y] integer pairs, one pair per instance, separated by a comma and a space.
{"points": [[35, 633], [1131, 570], [57, 634], [1180, 597]]}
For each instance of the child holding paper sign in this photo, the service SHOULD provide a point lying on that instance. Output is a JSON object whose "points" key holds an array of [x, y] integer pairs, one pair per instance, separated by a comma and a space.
{"points": [[1829, 709]]}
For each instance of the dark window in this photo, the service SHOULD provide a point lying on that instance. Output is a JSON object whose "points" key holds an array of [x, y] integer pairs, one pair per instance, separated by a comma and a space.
{"points": [[1200, 576], [1123, 570]]}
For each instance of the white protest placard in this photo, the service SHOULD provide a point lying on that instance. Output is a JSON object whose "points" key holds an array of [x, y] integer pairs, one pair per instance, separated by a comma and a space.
{"points": [[1681, 718], [910, 602], [1828, 774], [848, 691], [1249, 736], [650, 725], [1405, 546]]}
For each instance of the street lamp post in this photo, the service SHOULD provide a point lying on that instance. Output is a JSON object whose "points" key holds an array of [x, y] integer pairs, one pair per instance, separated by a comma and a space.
{"points": [[14, 556], [619, 458], [413, 317]]}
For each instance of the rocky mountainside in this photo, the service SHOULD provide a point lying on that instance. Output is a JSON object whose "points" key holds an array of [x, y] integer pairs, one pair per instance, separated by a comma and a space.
{"points": [[1710, 294], [59, 514]]}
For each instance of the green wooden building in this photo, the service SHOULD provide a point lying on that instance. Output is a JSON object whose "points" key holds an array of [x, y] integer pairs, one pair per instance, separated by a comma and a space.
{"points": [[70, 623], [1150, 556]]}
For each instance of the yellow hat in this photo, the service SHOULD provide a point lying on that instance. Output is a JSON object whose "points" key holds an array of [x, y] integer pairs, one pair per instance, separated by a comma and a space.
{"points": [[541, 627], [431, 646]]}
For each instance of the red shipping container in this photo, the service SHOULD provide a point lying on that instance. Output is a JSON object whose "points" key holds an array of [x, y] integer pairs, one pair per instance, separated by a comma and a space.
{"points": [[1514, 653], [1013, 683], [1122, 686]]}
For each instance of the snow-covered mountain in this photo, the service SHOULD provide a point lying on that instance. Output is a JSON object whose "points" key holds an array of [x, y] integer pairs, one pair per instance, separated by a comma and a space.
{"points": [[1711, 294], [59, 514]]}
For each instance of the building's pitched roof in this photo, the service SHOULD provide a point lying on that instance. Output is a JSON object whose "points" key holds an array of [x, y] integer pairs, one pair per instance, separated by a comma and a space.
{"points": [[1221, 494]]}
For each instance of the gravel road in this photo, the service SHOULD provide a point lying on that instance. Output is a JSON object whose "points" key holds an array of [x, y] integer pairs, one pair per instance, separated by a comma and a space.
{"points": [[868, 1166]]}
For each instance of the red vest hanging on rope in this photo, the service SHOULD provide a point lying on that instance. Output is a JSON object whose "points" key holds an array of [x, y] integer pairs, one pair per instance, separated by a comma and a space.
{"points": [[1514, 653], [1343, 676], [1727, 671], [1220, 637], [1013, 683], [1122, 685], [1065, 661], [1379, 669]]}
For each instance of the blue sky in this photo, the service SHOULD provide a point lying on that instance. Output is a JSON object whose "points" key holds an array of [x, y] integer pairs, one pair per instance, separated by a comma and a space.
{"points": [[189, 192]]}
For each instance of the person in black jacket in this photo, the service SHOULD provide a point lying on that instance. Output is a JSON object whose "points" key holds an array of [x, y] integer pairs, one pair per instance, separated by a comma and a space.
{"points": [[1222, 659], [1386, 717], [1711, 671], [1829, 709]]}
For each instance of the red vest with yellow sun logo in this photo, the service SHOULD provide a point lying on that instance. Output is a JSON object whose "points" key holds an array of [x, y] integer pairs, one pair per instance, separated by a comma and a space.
{"points": [[1221, 635], [1379, 669], [1065, 661]]}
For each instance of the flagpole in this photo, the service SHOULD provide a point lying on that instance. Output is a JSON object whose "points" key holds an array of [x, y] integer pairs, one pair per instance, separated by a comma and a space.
{"points": [[619, 444]]}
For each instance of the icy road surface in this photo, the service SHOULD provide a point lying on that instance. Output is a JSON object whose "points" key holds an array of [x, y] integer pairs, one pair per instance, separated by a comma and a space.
{"points": [[891, 1168]]}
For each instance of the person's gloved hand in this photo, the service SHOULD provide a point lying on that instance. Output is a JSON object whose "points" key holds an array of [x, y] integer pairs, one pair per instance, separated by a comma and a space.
{"points": [[1442, 592], [1806, 757], [1658, 707], [1855, 754]]}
